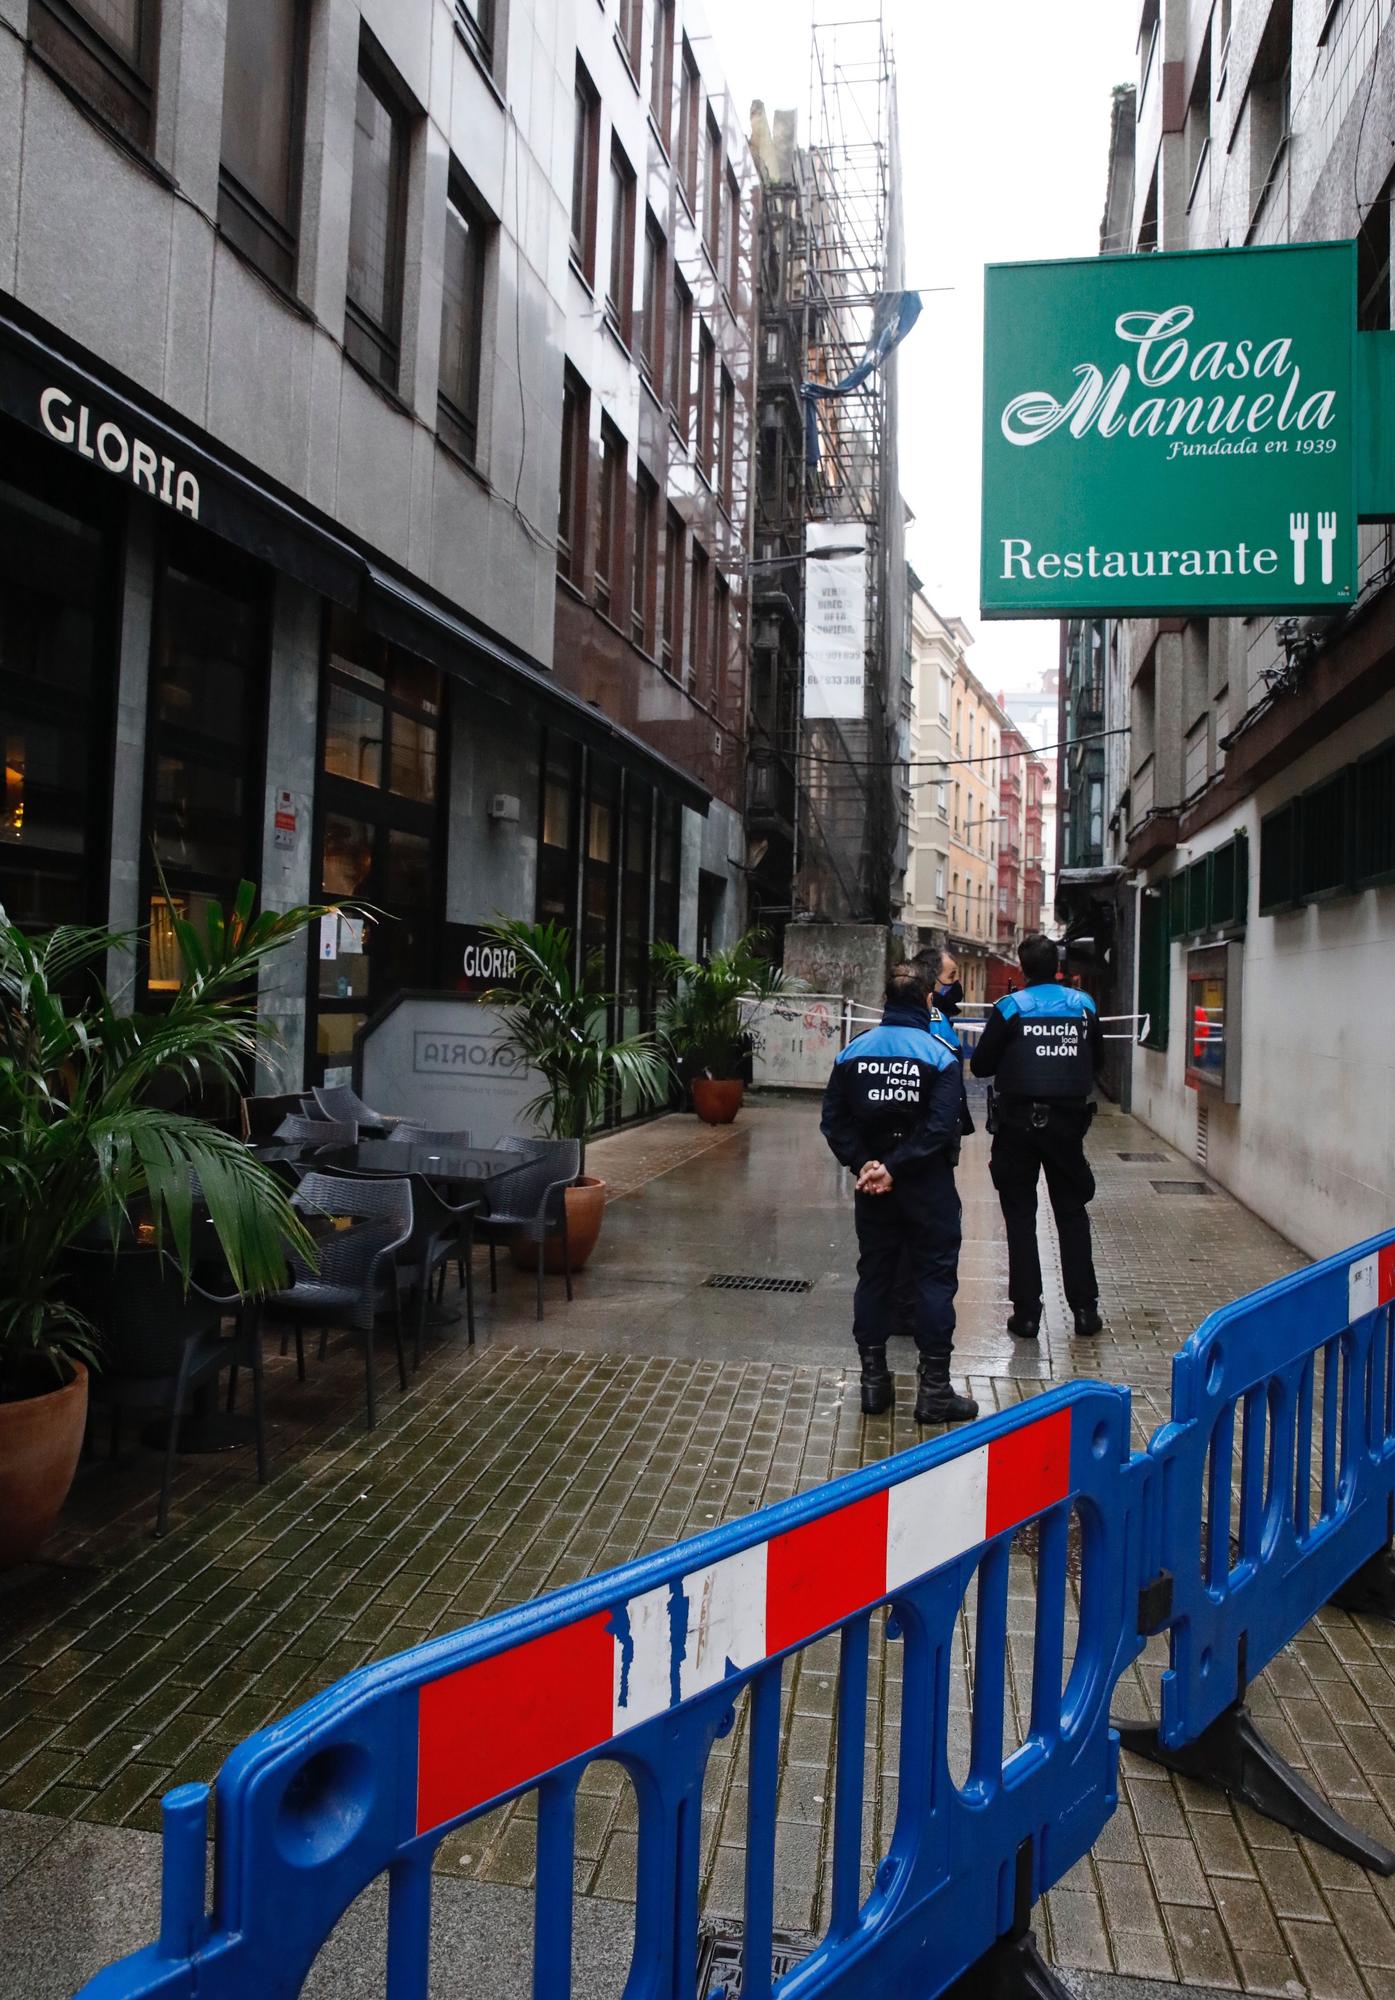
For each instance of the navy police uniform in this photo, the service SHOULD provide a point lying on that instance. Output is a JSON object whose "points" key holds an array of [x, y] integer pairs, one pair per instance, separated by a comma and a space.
{"points": [[1042, 1048], [895, 1095]]}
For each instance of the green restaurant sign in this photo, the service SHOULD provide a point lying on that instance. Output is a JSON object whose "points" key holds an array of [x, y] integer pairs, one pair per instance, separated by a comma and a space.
{"points": [[1171, 433]]}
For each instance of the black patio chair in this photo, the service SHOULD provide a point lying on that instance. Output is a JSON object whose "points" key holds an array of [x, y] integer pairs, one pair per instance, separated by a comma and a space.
{"points": [[338, 1101], [532, 1202], [261, 1115], [357, 1266], [161, 1342]]}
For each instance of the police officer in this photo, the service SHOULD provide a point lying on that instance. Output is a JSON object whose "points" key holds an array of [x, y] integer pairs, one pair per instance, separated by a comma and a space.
{"points": [[891, 1114], [1042, 1047]]}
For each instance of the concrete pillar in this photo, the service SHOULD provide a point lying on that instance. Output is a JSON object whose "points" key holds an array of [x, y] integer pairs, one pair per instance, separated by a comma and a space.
{"points": [[292, 737], [124, 913], [491, 864]]}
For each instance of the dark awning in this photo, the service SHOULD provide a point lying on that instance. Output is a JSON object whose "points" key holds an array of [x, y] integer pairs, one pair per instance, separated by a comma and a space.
{"points": [[49, 384], [434, 632]]}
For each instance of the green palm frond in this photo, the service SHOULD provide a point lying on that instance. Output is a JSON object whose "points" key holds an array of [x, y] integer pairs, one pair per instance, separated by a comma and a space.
{"points": [[700, 1015], [85, 1132], [557, 1023]]}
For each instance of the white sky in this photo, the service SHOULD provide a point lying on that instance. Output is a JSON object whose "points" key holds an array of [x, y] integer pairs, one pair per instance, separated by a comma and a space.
{"points": [[1004, 142]]}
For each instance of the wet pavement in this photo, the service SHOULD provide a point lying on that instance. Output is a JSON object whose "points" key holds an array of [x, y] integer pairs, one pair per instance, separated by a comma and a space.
{"points": [[654, 1406]]}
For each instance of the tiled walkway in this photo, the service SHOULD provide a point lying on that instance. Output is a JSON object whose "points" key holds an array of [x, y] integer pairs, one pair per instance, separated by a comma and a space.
{"points": [[653, 1407]]}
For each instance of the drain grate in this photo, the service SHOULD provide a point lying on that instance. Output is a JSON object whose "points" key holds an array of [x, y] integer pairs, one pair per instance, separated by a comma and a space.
{"points": [[1152, 1159], [719, 1957], [1179, 1187], [732, 1281]]}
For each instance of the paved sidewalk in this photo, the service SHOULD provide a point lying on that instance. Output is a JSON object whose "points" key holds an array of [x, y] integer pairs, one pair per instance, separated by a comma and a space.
{"points": [[651, 1408]]}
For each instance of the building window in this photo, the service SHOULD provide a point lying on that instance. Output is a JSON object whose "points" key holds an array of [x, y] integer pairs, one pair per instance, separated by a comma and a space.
{"points": [[681, 356], [726, 467], [468, 230], [620, 288], [380, 824], [661, 72], [731, 237], [558, 856], [668, 868], [263, 123], [699, 586], [476, 19], [55, 695], [944, 697], [712, 194], [585, 164], [939, 888], [706, 407], [106, 50], [373, 310], [1373, 264], [203, 742], [630, 31], [671, 651], [571, 501], [1268, 98], [610, 536], [721, 639], [644, 562], [689, 115], [651, 332]]}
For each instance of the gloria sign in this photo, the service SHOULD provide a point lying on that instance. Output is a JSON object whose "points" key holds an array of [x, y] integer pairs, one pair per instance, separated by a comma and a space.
{"points": [[1170, 433]]}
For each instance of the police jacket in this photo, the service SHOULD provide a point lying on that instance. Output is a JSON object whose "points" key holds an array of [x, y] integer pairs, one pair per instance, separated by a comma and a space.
{"points": [[1041, 1044], [895, 1094]]}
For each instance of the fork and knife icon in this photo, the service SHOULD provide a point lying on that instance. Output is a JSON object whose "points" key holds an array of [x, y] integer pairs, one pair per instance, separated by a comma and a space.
{"points": [[1298, 534]]}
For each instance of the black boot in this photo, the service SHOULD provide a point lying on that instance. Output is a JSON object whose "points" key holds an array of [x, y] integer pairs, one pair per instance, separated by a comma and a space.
{"points": [[937, 1401], [878, 1390], [1087, 1319], [1025, 1322]]}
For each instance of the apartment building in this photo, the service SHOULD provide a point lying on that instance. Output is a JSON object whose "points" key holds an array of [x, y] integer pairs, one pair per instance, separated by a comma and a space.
{"points": [[937, 646], [1255, 807], [374, 394], [976, 728]]}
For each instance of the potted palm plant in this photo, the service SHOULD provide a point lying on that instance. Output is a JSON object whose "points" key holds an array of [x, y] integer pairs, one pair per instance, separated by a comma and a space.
{"points": [[86, 1131], [700, 1017], [558, 1023]]}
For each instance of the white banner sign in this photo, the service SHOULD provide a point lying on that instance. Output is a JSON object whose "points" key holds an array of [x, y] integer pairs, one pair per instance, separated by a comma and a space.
{"points": [[835, 621]]}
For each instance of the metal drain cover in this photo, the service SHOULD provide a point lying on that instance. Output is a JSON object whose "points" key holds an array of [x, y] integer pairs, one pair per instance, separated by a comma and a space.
{"points": [[719, 1956], [1179, 1187], [1153, 1159], [731, 1281]]}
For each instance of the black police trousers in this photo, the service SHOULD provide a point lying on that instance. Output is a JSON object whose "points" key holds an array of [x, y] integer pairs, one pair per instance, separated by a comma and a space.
{"points": [[1029, 1140], [918, 1221]]}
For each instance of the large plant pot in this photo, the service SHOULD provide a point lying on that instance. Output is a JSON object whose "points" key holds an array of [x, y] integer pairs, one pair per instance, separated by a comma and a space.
{"points": [[717, 1099], [585, 1201], [40, 1439]]}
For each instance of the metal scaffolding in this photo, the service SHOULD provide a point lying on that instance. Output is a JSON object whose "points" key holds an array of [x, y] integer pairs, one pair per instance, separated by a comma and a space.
{"points": [[831, 251]]}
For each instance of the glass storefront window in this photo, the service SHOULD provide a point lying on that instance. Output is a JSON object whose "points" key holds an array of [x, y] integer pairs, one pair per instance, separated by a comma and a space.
{"points": [[54, 704], [203, 747], [557, 855], [379, 832]]}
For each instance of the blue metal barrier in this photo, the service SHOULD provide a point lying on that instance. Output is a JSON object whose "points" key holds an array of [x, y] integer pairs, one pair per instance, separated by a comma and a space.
{"points": [[1306, 1368], [644, 1665]]}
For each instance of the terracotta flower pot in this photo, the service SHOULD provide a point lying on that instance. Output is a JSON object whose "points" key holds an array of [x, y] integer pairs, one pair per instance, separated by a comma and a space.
{"points": [[585, 1213], [40, 1438], [717, 1099]]}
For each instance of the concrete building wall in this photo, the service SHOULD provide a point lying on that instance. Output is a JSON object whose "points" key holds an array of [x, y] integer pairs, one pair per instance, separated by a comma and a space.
{"points": [[975, 741], [1318, 1070], [100, 245]]}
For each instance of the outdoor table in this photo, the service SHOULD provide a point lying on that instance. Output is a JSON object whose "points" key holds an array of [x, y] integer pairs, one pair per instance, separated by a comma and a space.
{"points": [[474, 1169]]}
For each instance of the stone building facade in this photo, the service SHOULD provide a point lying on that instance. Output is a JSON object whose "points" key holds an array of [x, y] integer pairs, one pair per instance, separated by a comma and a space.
{"points": [[308, 315]]}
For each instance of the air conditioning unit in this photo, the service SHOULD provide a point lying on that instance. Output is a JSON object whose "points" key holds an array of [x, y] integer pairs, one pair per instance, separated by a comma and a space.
{"points": [[504, 806]]}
